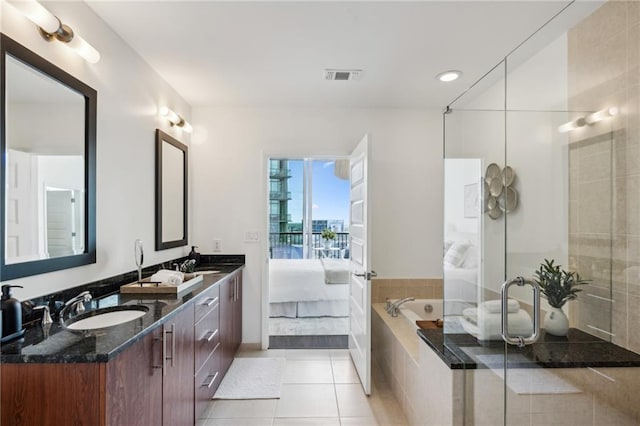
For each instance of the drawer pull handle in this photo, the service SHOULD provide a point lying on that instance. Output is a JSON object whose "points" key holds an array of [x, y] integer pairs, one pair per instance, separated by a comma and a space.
{"points": [[212, 380], [216, 348], [210, 335], [210, 301]]}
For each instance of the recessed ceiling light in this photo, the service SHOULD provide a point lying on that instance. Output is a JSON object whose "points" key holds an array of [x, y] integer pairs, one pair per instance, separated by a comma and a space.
{"points": [[448, 76]]}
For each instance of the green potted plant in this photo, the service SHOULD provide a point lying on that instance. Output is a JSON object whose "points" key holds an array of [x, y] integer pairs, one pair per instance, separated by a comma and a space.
{"points": [[558, 286], [328, 236]]}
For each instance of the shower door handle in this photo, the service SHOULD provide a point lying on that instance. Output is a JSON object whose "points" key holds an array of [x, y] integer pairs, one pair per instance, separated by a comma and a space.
{"points": [[520, 341]]}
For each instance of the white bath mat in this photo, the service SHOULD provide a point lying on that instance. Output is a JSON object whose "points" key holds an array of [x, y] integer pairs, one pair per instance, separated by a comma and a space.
{"points": [[252, 378]]}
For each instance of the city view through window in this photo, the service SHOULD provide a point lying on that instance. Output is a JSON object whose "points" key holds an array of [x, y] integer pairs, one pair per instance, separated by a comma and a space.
{"points": [[307, 197]]}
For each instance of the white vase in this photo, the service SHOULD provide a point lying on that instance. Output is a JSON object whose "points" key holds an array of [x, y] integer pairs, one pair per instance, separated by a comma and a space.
{"points": [[328, 244], [556, 322]]}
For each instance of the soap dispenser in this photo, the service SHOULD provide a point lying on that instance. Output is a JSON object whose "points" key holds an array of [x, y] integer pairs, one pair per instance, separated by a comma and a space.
{"points": [[193, 254], [11, 314]]}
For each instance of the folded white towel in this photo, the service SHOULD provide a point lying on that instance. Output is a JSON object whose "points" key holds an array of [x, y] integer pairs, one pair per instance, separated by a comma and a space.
{"points": [[487, 325], [168, 276], [495, 306]]}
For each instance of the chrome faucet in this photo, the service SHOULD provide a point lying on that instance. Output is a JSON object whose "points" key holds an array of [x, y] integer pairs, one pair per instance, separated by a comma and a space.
{"points": [[76, 303], [187, 265], [46, 317], [394, 307]]}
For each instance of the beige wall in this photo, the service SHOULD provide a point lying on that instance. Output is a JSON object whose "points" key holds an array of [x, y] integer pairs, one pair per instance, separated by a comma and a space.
{"points": [[604, 163], [129, 94], [405, 177], [394, 288]]}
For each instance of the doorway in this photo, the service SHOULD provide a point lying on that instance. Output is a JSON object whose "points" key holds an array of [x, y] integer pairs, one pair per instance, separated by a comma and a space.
{"points": [[308, 218]]}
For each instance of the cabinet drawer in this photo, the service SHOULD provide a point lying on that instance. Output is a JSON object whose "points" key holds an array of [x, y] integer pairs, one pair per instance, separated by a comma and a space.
{"points": [[206, 301], [207, 380], [207, 335]]}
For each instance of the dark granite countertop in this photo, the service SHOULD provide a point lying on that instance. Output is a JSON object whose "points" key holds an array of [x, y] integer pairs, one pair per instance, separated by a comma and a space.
{"points": [[577, 350], [60, 345]]}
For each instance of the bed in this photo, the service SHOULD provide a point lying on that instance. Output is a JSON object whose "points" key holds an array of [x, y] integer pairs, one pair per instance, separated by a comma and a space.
{"points": [[308, 288], [461, 261]]}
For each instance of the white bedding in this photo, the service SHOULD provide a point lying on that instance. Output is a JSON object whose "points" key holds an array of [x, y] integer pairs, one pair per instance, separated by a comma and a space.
{"points": [[461, 274], [461, 284], [336, 271], [301, 280]]}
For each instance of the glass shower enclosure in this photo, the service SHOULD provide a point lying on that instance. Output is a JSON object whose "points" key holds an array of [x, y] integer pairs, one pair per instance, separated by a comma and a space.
{"points": [[542, 163]]}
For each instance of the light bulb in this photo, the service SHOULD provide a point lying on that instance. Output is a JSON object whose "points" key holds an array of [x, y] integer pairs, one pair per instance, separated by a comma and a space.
{"points": [[37, 14], [449, 76], [601, 115], [170, 115], [84, 49], [187, 127]]}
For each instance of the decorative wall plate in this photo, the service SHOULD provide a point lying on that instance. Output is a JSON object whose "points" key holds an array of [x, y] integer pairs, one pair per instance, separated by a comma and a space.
{"points": [[493, 171], [508, 201], [495, 186], [495, 213], [508, 176]]}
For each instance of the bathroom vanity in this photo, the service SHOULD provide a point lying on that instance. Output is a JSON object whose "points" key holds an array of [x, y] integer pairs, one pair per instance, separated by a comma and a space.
{"points": [[162, 368]]}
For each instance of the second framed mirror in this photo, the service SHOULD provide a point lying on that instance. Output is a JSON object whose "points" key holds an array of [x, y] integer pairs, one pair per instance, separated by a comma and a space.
{"points": [[171, 191]]}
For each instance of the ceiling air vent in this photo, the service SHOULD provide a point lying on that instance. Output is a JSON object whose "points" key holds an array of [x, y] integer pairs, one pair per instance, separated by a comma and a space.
{"points": [[332, 74]]}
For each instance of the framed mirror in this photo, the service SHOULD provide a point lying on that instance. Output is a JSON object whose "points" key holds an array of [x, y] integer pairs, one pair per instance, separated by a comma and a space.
{"points": [[171, 192], [48, 179]]}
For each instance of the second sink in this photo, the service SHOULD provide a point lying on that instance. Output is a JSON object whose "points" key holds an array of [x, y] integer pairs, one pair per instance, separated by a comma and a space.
{"points": [[106, 317]]}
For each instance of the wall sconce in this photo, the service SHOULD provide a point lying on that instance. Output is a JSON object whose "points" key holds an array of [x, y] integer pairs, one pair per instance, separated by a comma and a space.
{"points": [[590, 119], [51, 28], [175, 119]]}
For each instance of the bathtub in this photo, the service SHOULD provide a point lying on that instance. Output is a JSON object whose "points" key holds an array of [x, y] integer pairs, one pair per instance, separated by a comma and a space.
{"points": [[430, 309]]}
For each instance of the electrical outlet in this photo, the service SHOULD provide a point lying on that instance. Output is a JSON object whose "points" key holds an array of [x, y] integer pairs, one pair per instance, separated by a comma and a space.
{"points": [[217, 245], [251, 236]]}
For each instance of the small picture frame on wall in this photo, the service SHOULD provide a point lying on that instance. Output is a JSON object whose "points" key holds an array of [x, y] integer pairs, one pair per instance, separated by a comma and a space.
{"points": [[471, 201]]}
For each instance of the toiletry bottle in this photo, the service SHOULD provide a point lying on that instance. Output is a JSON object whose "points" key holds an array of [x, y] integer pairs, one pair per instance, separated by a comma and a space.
{"points": [[193, 254], [11, 312]]}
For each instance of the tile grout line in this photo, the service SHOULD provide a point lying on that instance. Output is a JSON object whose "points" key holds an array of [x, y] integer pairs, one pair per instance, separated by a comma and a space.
{"points": [[335, 391]]}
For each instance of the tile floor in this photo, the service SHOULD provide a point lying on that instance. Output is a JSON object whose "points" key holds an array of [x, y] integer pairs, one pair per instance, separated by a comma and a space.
{"points": [[320, 387]]}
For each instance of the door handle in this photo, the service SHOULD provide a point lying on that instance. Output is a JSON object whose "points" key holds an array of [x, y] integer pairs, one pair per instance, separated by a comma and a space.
{"points": [[366, 275], [210, 335], [210, 301], [520, 341], [212, 380], [164, 348]]}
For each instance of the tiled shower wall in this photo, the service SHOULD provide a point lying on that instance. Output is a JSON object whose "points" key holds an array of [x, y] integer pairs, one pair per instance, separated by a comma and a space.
{"points": [[604, 172], [398, 288]]}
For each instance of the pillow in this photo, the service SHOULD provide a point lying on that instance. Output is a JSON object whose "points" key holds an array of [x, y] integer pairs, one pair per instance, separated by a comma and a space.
{"points": [[471, 258], [456, 254], [447, 245]]}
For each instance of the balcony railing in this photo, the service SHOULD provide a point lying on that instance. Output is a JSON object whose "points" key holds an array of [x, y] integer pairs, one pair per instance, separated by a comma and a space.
{"points": [[280, 218], [278, 173], [279, 195], [289, 245]]}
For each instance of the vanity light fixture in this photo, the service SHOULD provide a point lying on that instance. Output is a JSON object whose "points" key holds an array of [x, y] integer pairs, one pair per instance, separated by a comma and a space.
{"points": [[590, 119], [601, 115], [175, 119], [449, 76], [51, 28]]}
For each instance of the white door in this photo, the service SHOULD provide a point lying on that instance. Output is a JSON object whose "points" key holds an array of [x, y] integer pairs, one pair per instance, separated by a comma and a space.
{"points": [[60, 229], [360, 282]]}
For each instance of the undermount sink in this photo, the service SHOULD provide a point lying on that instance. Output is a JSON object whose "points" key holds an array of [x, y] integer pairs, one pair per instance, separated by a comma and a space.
{"points": [[106, 317]]}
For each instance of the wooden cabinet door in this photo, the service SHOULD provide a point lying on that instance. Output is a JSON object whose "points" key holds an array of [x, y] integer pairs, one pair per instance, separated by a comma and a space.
{"points": [[134, 384], [51, 394], [177, 386]]}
